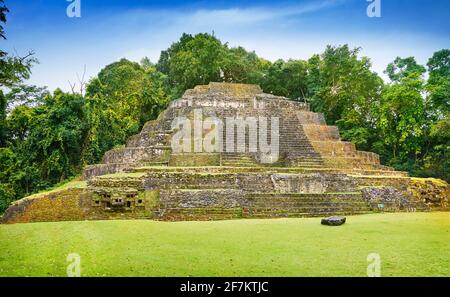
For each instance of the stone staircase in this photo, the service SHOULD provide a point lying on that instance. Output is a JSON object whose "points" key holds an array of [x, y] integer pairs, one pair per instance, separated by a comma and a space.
{"points": [[316, 174], [238, 160], [209, 204], [305, 205], [295, 145]]}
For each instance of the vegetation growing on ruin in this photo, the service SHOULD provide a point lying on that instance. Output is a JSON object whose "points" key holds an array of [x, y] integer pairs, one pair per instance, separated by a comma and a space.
{"points": [[409, 244], [47, 138], [76, 183]]}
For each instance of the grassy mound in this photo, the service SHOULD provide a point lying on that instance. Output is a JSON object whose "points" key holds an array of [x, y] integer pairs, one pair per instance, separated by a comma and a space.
{"points": [[409, 244]]}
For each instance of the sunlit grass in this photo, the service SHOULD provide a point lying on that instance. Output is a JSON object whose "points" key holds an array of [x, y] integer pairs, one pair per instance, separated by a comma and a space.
{"points": [[410, 244]]}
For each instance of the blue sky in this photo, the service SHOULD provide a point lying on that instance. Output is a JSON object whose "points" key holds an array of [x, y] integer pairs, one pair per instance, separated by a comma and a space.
{"points": [[113, 29]]}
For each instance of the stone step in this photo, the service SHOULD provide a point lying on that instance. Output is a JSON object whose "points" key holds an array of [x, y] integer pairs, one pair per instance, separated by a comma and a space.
{"points": [[144, 163], [237, 157], [304, 215], [305, 196], [302, 159], [296, 206], [308, 165], [238, 160], [256, 211], [307, 162], [249, 160], [274, 169], [306, 159], [312, 203], [211, 214], [309, 209], [239, 165], [202, 210]]}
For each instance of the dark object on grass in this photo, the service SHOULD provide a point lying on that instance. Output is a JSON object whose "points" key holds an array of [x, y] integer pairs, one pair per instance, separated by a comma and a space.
{"points": [[334, 221]]}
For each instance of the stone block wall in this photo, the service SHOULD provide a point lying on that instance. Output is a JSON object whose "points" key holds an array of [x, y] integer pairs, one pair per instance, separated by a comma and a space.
{"points": [[310, 118], [92, 171], [316, 174], [335, 148], [134, 154], [321, 132], [434, 193], [66, 205], [194, 159], [202, 195], [405, 193]]}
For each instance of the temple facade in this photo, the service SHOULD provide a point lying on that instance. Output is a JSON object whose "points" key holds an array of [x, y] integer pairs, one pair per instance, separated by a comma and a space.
{"points": [[225, 151]]}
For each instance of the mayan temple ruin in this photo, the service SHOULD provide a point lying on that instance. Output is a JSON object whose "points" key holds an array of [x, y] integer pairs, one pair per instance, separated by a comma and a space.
{"points": [[314, 172]]}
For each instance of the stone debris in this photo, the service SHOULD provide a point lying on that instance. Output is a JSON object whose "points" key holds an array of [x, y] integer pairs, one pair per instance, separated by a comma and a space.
{"points": [[334, 221]]}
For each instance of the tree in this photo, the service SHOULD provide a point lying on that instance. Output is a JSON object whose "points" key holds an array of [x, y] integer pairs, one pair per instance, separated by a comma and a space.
{"points": [[402, 119], [123, 97], [436, 161], [343, 82], [7, 194], [13, 70], [3, 104], [201, 59], [343, 87], [402, 67], [19, 123], [192, 61], [3, 11], [287, 79], [240, 66], [57, 134], [439, 80]]}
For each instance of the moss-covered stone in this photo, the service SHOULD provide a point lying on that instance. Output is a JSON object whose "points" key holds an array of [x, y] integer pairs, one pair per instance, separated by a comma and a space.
{"points": [[316, 173]]}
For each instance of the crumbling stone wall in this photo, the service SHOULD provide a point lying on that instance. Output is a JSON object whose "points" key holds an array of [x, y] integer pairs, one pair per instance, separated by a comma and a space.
{"points": [[405, 194], [317, 174], [391, 199], [65, 205], [434, 193]]}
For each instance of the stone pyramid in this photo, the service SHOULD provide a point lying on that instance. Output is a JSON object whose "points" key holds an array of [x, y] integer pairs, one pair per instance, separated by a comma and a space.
{"points": [[313, 173]]}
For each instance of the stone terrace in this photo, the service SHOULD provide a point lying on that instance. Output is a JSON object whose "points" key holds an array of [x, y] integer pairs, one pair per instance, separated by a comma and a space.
{"points": [[316, 174]]}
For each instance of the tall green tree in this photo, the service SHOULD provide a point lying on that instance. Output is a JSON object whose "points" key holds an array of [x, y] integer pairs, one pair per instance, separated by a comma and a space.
{"points": [[3, 104], [436, 160], [13, 69], [287, 79], [402, 67], [120, 100], [193, 60], [343, 87], [240, 66], [45, 144], [438, 84], [57, 134], [402, 117], [3, 11]]}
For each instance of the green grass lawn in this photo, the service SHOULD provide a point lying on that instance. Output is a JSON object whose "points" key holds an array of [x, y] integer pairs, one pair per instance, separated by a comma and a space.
{"points": [[410, 244]]}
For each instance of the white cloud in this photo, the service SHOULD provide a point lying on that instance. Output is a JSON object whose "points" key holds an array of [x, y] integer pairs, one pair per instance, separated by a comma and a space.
{"points": [[252, 15], [273, 32]]}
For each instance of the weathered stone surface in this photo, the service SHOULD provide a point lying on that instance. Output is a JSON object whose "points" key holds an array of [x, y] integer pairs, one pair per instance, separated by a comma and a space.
{"points": [[334, 221], [316, 173], [434, 193], [391, 199], [304, 138]]}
